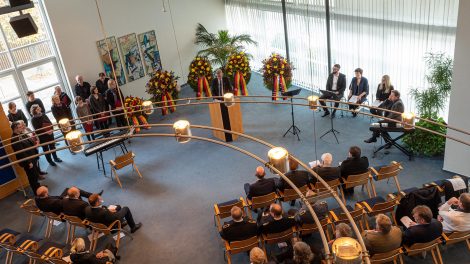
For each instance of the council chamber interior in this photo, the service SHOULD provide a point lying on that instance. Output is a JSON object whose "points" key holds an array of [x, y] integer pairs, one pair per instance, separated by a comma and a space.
{"points": [[234, 131]]}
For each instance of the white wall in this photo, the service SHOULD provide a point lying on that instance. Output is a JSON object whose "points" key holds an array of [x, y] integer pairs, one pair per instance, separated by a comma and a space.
{"points": [[76, 27], [457, 155]]}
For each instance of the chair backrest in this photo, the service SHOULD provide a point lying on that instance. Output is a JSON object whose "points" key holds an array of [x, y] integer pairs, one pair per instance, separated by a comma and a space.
{"points": [[306, 229], [75, 221], [357, 214], [263, 201], [385, 207], [388, 171], [53, 216], [456, 237], [357, 180], [421, 247], [102, 228], [124, 160], [321, 192], [30, 207], [291, 194], [386, 257], [243, 245], [223, 211], [274, 238]]}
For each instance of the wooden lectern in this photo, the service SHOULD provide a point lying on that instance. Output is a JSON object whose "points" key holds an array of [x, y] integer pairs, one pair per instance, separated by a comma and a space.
{"points": [[228, 118]]}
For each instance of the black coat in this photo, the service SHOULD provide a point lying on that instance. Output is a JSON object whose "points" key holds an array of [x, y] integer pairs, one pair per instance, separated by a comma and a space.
{"points": [[111, 98], [298, 177], [65, 99], [340, 85], [18, 116], [97, 105], [352, 166], [424, 196], [236, 231], [42, 124], [100, 215], [102, 86], [269, 226], [74, 207], [36, 101], [83, 91], [262, 187], [86, 258], [422, 233], [215, 86], [327, 173], [49, 204], [61, 111], [381, 95], [22, 142]]}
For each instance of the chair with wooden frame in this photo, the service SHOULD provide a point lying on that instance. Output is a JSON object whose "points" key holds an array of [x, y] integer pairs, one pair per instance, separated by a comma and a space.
{"points": [[432, 246], [395, 256], [222, 210], [51, 218], [457, 237], [338, 216], [386, 172], [320, 192], [30, 207], [73, 222], [377, 205], [306, 229], [362, 179], [399, 195], [114, 228], [274, 238], [290, 194], [262, 201], [25, 243], [235, 247], [122, 161], [48, 251], [7, 243]]}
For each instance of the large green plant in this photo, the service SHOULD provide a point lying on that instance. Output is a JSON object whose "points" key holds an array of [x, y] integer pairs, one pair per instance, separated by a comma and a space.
{"points": [[429, 102], [218, 47]]}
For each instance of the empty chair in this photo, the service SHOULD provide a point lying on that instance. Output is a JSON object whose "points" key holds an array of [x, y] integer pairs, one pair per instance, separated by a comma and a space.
{"points": [[222, 210], [236, 247], [262, 201], [386, 172], [30, 207], [338, 216], [7, 243], [358, 180], [291, 195], [121, 162]]}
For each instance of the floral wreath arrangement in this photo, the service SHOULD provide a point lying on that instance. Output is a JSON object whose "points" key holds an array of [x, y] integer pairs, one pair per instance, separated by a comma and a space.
{"points": [[277, 74], [239, 72], [200, 75], [163, 87], [134, 111]]}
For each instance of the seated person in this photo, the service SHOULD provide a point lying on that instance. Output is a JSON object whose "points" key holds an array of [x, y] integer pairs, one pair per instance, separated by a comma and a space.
{"points": [[53, 204], [359, 87], [275, 221], [298, 177], [341, 230], [324, 169], [384, 237], [383, 92], [98, 213], [78, 254], [73, 205], [262, 186], [354, 164], [303, 216], [238, 228], [302, 254], [257, 256], [458, 219], [397, 106], [424, 228]]}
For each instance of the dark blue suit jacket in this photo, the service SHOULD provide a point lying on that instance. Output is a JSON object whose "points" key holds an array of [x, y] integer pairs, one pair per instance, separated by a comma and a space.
{"points": [[422, 233], [358, 89]]}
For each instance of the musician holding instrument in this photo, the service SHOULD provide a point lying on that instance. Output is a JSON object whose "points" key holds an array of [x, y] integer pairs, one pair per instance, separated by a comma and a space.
{"points": [[335, 86], [396, 106]]}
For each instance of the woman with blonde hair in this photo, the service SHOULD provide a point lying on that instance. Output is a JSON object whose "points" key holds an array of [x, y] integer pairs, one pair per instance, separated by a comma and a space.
{"points": [[381, 97], [257, 256], [78, 254]]}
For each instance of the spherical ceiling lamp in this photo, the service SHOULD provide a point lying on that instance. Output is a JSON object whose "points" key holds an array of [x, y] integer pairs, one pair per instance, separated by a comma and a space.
{"points": [[182, 131]]}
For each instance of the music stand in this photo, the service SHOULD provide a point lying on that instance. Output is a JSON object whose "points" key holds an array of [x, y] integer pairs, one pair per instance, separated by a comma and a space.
{"points": [[332, 130], [293, 127]]}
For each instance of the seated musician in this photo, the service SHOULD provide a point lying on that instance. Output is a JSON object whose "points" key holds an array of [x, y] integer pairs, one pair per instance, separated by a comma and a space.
{"points": [[336, 84], [53, 204], [397, 106], [238, 228]]}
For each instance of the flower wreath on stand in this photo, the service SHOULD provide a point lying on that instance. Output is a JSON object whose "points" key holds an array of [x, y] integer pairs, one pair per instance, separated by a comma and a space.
{"points": [[200, 75], [163, 87], [133, 107], [239, 72], [277, 74]]}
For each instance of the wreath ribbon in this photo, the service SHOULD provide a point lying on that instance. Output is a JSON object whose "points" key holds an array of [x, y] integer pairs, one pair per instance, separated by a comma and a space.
{"points": [[279, 85], [203, 85], [240, 85], [168, 103]]}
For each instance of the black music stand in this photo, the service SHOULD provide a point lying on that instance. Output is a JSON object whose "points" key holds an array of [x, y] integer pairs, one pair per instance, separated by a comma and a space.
{"points": [[293, 127], [332, 130]]}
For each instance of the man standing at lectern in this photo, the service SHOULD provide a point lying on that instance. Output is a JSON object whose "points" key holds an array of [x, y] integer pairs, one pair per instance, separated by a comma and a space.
{"points": [[336, 84], [220, 85]]}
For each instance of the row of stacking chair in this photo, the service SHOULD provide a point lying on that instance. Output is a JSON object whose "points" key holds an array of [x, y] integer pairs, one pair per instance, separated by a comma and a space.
{"points": [[73, 222]]}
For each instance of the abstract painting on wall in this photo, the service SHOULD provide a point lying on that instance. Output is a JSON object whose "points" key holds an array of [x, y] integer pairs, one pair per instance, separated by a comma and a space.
{"points": [[111, 61], [149, 47], [131, 57]]}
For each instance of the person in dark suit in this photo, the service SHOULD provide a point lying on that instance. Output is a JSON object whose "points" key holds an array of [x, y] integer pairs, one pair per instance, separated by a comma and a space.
{"points": [[114, 99], [354, 164], [336, 84], [325, 170], [43, 127], [359, 87], [238, 228], [220, 85], [262, 186], [98, 213], [53, 204], [275, 221], [397, 106], [73, 205], [298, 177], [424, 228], [20, 141]]}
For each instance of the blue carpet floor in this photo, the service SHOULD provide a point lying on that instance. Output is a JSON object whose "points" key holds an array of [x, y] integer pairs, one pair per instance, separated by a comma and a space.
{"points": [[181, 182]]}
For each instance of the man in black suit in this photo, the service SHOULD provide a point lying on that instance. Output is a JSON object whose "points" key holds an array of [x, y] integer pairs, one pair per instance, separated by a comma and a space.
{"points": [[336, 84], [424, 229], [298, 177], [73, 205], [354, 164], [262, 186], [100, 214], [220, 85], [53, 204], [275, 221], [397, 106], [238, 228], [324, 170]]}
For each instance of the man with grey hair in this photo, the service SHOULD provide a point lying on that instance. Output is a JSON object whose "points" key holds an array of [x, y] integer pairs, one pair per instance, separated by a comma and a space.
{"points": [[82, 88], [220, 85], [384, 237], [325, 170], [455, 214]]}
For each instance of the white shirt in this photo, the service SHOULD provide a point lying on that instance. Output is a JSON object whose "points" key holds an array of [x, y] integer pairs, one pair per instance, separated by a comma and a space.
{"points": [[454, 220], [335, 82]]}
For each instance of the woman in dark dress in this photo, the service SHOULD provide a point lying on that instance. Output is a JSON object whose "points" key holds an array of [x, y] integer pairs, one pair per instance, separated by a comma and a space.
{"points": [[60, 111], [44, 131], [16, 114], [383, 92], [98, 108]]}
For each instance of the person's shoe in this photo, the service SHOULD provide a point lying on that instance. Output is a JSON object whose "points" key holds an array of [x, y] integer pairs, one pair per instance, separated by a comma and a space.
{"points": [[43, 173], [136, 227], [325, 114], [57, 160], [101, 192], [370, 140], [354, 114], [52, 163], [41, 178]]}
